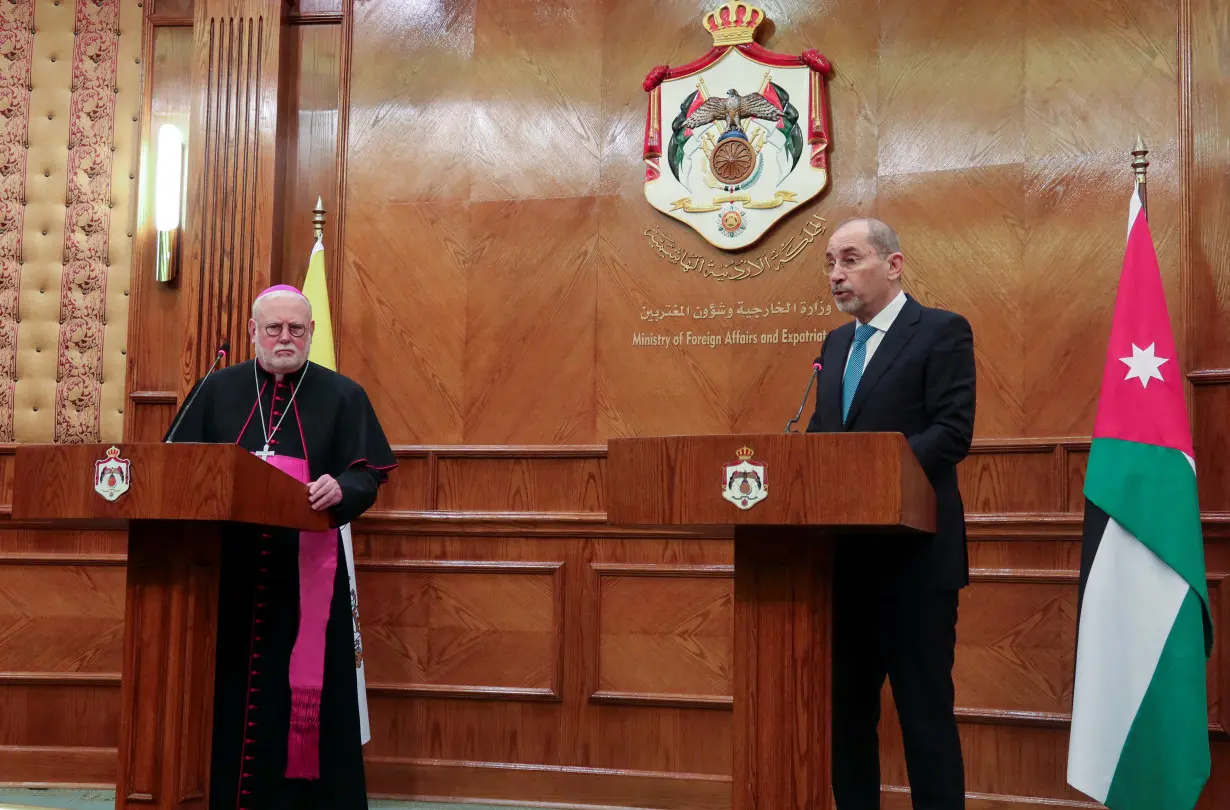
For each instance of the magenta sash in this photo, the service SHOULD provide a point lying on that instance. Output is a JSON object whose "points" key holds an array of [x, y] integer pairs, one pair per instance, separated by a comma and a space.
{"points": [[317, 568]]}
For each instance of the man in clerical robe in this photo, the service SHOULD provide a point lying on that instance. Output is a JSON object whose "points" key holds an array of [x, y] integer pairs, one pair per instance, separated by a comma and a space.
{"points": [[286, 712]]}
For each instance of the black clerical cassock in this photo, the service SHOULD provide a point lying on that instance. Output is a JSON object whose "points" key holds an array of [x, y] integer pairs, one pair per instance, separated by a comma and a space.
{"points": [[284, 736]]}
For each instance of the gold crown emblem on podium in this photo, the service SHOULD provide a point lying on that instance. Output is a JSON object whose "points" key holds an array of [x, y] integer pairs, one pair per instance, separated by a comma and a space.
{"points": [[734, 23], [744, 453], [113, 452]]}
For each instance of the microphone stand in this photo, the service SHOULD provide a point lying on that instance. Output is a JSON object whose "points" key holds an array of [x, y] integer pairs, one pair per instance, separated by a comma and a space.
{"points": [[222, 350], [815, 372]]}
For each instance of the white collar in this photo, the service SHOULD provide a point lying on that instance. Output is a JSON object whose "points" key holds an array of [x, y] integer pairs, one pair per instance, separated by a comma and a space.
{"points": [[885, 317]]}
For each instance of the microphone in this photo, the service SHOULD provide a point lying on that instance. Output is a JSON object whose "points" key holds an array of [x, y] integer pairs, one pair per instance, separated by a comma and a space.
{"points": [[223, 350], [815, 372]]}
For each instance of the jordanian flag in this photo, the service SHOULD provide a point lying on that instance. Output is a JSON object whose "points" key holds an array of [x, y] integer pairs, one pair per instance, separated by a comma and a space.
{"points": [[1140, 738]]}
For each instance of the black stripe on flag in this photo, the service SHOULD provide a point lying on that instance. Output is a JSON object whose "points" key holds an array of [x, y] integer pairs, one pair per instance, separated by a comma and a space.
{"points": [[1091, 537]]}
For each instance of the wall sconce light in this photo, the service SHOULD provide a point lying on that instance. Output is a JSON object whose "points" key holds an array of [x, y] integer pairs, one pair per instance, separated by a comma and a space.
{"points": [[168, 199]]}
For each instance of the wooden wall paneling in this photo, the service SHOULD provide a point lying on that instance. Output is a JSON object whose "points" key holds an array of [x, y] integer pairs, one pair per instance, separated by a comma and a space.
{"points": [[520, 483], [232, 195], [532, 333], [1210, 405], [7, 452], [1005, 476], [157, 313], [311, 71], [467, 629], [964, 253], [171, 10], [407, 239], [47, 766], [546, 785], [1078, 183], [1016, 643], [663, 634], [1206, 101]]}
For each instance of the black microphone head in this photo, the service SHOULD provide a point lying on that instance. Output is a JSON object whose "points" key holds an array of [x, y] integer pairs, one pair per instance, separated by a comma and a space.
{"points": [[225, 348]]}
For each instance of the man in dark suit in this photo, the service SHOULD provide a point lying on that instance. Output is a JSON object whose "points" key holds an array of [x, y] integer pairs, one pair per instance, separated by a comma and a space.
{"points": [[904, 368]]}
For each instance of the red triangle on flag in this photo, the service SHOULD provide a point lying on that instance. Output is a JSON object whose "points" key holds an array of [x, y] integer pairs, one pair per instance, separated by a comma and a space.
{"points": [[771, 96], [696, 102], [1142, 382]]}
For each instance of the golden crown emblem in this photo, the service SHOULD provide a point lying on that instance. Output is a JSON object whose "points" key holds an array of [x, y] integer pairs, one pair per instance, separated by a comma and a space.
{"points": [[744, 453], [734, 23], [113, 452]]}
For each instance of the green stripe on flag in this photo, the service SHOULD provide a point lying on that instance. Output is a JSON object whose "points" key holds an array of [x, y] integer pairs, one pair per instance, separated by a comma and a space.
{"points": [[1165, 759], [1151, 491]]}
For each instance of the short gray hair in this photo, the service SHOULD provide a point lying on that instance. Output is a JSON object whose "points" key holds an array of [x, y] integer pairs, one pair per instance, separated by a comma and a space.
{"points": [[880, 235]]}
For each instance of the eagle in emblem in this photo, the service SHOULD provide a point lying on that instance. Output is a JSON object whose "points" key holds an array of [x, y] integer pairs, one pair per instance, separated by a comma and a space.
{"points": [[731, 109]]}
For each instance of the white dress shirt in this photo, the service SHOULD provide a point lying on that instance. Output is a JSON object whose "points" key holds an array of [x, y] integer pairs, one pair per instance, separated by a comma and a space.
{"points": [[882, 321]]}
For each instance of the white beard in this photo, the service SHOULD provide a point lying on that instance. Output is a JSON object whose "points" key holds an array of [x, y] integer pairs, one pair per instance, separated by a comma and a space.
{"points": [[851, 304]]}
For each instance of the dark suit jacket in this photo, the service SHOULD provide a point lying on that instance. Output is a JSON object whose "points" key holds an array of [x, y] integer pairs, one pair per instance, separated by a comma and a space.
{"points": [[919, 382]]}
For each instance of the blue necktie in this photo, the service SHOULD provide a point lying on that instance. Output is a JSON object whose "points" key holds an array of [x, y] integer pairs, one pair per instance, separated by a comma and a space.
{"points": [[854, 367]]}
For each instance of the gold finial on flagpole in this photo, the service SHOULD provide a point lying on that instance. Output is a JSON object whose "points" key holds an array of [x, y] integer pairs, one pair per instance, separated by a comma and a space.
{"points": [[1140, 165], [318, 218]]}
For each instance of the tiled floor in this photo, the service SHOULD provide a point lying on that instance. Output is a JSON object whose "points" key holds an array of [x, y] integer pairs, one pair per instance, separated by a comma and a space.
{"points": [[105, 800]]}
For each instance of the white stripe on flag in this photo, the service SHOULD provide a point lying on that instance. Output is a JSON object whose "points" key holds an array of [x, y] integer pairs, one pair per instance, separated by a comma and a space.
{"points": [[365, 731], [1130, 604]]}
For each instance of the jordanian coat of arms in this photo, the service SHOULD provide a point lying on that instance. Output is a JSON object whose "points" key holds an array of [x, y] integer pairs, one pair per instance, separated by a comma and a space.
{"points": [[737, 139], [112, 475], [743, 483]]}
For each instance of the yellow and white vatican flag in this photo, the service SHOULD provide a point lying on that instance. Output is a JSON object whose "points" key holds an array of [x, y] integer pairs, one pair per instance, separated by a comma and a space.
{"points": [[316, 289]]}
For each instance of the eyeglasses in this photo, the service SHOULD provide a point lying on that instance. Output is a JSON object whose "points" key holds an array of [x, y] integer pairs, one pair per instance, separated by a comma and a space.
{"points": [[275, 329]]}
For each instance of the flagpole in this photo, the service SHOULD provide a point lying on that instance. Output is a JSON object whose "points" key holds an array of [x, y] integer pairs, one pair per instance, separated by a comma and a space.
{"points": [[318, 218], [1140, 165]]}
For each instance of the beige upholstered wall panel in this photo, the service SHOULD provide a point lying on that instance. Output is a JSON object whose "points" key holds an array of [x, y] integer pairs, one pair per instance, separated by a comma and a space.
{"points": [[43, 233], [76, 236], [16, 54], [128, 98]]}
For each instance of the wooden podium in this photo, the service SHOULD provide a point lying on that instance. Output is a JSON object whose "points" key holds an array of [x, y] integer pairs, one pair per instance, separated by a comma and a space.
{"points": [[181, 502], [815, 487]]}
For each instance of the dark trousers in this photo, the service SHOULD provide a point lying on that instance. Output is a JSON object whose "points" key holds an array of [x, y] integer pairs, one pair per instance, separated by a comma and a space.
{"points": [[908, 635]]}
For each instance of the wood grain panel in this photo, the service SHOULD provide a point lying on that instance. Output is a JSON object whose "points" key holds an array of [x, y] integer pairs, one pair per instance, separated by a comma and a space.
{"points": [[520, 484], [46, 766], [1210, 407], [542, 323], [664, 634], [418, 114], [422, 251], [486, 629], [688, 390], [409, 486], [1011, 482], [1207, 100], [6, 476], [549, 786], [536, 128], [1077, 55], [61, 618], [1016, 644], [1077, 461], [61, 716], [1000, 760], [970, 262], [172, 8], [311, 73], [983, 56], [1218, 672], [231, 200], [157, 311], [1074, 252]]}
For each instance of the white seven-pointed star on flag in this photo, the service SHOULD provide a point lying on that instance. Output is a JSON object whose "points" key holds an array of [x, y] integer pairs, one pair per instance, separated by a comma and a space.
{"points": [[1144, 364]]}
